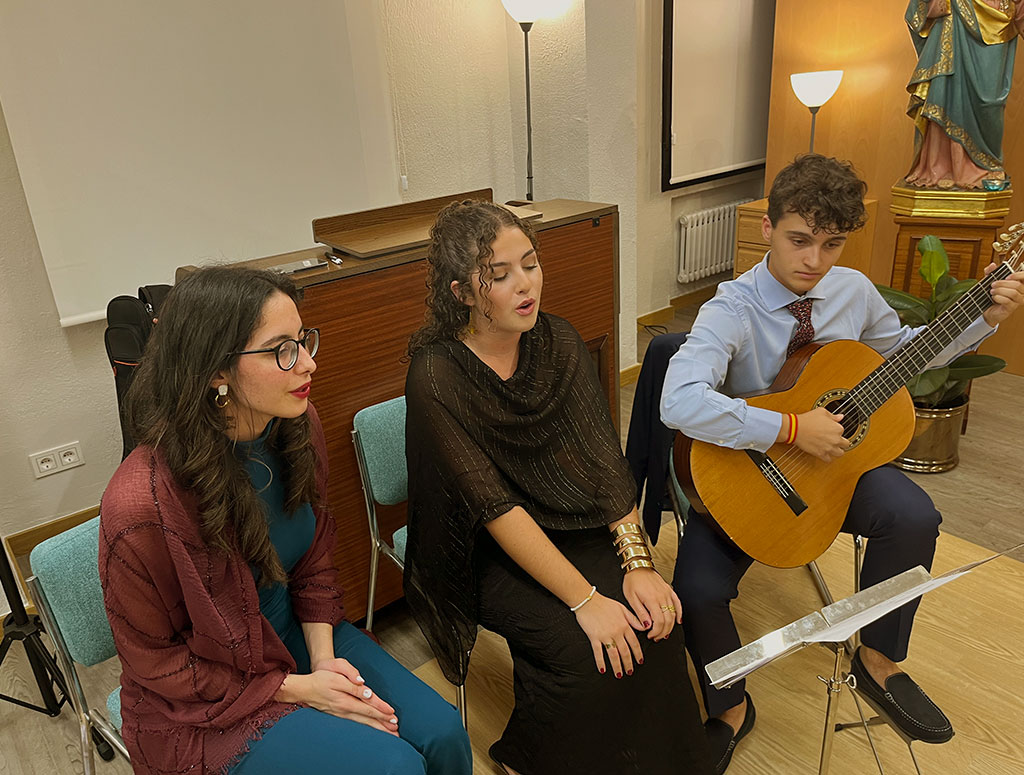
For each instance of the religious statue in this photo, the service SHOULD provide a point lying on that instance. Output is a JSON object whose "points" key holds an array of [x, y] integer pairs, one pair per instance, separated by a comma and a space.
{"points": [[958, 91]]}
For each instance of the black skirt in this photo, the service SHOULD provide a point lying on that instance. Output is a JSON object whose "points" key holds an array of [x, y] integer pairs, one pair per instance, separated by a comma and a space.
{"points": [[568, 718]]}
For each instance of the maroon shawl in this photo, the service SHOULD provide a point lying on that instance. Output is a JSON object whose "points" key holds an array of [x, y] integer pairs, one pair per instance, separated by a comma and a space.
{"points": [[200, 663]]}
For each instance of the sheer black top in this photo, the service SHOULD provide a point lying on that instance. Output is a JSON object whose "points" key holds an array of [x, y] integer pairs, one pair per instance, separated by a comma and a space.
{"points": [[477, 446]]}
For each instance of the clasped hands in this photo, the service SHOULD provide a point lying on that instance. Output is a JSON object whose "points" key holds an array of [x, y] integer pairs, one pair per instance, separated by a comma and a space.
{"points": [[609, 625], [335, 686]]}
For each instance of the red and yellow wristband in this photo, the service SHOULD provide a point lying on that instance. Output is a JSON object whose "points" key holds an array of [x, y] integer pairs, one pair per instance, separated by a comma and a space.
{"points": [[791, 434]]}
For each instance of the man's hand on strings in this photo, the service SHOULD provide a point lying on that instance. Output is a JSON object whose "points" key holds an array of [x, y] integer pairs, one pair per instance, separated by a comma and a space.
{"points": [[1007, 295], [820, 433]]}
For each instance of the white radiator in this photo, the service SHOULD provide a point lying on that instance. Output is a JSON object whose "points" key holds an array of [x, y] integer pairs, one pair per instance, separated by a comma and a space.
{"points": [[707, 241]]}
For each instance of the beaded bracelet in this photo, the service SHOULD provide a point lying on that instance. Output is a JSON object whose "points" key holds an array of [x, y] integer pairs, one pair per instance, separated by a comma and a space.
{"points": [[584, 601]]}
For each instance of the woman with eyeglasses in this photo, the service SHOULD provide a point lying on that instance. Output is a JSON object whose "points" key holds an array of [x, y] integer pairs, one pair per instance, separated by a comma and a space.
{"points": [[216, 561]]}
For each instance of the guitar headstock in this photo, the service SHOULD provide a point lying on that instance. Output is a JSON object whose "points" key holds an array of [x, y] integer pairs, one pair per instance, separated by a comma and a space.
{"points": [[1010, 246]]}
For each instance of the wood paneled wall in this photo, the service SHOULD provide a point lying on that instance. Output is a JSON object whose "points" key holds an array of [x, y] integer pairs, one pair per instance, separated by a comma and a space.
{"points": [[866, 120]]}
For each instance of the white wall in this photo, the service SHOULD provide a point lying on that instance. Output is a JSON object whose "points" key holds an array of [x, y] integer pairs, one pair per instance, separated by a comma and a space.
{"points": [[457, 92], [55, 383], [657, 211], [448, 65]]}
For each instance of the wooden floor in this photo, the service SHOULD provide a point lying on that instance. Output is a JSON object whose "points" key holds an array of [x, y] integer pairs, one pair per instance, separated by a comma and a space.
{"points": [[965, 648], [965, 652]]}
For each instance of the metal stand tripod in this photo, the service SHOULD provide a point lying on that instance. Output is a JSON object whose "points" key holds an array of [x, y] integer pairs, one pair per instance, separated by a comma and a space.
{"points": [[20, 627], [834, 685]]}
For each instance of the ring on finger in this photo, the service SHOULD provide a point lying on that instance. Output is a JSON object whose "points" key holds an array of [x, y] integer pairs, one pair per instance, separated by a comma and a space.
{"points": [[611, 646]]}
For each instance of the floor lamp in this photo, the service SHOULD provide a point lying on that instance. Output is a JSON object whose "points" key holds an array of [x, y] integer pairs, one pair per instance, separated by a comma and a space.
{"points": [[526, 12], [814, 90]]}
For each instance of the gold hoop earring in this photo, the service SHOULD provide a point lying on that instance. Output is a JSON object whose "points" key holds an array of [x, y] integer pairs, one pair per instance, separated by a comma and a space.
{"points": [[221, 400]]}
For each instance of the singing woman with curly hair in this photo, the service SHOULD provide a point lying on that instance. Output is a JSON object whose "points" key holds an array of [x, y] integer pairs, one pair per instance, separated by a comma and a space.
{"points": [[216, 557], [522, 519]]}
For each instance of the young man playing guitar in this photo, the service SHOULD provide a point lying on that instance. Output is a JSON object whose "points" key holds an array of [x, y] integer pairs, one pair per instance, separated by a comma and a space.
{"points": [[737, 346]]}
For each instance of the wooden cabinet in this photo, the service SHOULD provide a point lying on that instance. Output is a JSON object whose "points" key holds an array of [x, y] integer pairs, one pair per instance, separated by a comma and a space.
{"points": [[366, 310], [968, 244], [751, 246]]}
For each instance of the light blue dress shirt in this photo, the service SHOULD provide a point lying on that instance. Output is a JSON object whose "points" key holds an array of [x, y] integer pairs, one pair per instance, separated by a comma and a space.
{"points": [[738, 346]]}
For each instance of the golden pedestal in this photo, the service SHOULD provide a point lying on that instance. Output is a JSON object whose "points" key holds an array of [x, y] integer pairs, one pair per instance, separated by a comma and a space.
{"points": [[967, 222], [909, 201]]}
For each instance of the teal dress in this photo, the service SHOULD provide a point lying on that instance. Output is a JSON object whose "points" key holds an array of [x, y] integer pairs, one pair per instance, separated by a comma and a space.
{"points": [[291, 535], [432, 739]]}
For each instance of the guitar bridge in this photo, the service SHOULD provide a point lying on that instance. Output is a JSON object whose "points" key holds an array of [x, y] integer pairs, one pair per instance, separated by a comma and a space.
{"points": [[778, 480]]}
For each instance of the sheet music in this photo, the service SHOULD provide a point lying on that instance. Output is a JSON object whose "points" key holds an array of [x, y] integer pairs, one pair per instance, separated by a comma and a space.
{"points": [[837, 622]]}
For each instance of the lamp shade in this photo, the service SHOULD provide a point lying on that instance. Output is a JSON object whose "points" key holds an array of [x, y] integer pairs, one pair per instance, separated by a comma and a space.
{"points": [[815, 89], [525, 11]]}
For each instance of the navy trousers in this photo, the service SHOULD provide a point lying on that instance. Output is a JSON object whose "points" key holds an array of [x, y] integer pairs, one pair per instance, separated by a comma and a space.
{"points": [[894, 514]]}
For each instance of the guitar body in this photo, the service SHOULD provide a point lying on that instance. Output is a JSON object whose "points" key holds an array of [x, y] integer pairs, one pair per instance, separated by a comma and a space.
{"points": [[735, 492]]}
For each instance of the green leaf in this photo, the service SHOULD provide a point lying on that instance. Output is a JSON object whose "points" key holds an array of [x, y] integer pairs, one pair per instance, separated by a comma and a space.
{"points": [[901, 300], [927, 382], [915, 317], [945, 282], [972, 366], [950, 393], [934, 261], [955, 289]]}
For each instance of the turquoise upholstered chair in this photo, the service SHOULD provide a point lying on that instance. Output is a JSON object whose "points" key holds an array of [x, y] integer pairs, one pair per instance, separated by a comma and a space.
{"points": [[379, 437], [67, 593]]}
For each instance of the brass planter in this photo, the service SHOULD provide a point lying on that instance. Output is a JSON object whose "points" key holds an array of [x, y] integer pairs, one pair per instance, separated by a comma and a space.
{"points": [[936, 438]]}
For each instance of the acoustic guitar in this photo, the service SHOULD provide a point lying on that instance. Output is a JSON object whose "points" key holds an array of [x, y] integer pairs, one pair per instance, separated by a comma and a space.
{"points": [[785, 507]]}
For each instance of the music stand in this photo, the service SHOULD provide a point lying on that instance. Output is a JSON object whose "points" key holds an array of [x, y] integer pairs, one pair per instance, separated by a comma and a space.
{"points": [[831, 627]]}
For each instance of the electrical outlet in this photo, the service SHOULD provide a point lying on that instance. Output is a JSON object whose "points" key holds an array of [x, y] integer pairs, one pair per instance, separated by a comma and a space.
{"points": [[51, 461], [70, 456], [44, 464]]}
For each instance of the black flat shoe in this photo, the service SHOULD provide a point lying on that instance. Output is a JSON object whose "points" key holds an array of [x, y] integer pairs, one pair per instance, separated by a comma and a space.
{"points": [[722, 740], [903, 705]]}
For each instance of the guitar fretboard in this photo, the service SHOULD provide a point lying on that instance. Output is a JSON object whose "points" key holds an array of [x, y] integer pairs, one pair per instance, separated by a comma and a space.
{"points": [[912, 358]]}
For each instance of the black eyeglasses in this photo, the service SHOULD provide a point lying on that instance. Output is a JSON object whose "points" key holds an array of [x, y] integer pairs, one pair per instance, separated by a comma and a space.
{"points": [[287, 353]]}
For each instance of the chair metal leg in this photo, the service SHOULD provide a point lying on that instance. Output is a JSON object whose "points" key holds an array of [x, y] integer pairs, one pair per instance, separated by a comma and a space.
{"points": [[110, 735], [858, 561], [819, 584], [371, 594], [85, 741], [680, 508], [460, 703], [826, 598]]}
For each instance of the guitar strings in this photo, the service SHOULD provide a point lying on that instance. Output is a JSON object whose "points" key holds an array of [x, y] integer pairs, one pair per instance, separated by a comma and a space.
{"points": [[888, 387], [795, 463]]}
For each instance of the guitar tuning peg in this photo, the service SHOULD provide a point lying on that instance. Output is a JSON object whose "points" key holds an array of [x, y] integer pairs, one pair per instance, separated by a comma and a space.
{"points": [[1005, 237], [998, 247]]}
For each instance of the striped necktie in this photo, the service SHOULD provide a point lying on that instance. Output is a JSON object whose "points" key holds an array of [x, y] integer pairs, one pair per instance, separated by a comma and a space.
{"points": [[804, 333]]}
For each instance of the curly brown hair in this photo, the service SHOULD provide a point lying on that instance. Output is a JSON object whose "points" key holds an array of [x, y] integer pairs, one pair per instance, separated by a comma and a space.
{"points": [[822, 190], [206, 319], [460, 244]]}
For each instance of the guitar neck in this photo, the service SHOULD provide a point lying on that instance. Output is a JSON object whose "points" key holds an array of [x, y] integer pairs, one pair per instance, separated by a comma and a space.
{"points": [[912, 358]]}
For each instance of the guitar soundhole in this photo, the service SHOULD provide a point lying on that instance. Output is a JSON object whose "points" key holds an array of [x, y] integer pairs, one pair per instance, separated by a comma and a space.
{"points": [[855, 424]]}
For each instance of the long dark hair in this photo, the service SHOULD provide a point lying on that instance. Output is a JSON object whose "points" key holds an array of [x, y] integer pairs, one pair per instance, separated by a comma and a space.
{"points": [[170, 407], [460, 244]]}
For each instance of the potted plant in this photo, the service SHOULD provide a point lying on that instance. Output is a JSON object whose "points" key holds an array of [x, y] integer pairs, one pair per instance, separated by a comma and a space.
{"points": [[941, 395]]}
